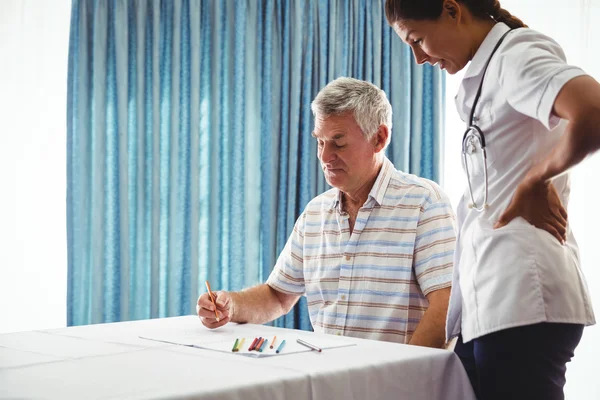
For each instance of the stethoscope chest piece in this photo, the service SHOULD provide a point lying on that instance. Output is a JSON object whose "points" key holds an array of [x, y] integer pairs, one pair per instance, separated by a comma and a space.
{"points": [[471, 146], [473, 141], [470, 143]]}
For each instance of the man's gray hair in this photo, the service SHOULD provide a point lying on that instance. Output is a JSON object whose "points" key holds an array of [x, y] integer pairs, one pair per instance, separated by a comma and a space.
{"points": [[367, 102]]}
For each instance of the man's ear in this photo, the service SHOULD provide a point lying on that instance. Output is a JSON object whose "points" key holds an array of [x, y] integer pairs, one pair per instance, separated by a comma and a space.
{"points": [[381, 138]]}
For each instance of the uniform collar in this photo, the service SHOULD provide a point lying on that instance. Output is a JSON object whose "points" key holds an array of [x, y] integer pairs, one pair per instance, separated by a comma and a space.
{"points": [[378, 190], [485, 50]]}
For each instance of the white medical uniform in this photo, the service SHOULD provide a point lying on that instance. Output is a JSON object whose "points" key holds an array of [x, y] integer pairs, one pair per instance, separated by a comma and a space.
{"points": [[518, 274]]}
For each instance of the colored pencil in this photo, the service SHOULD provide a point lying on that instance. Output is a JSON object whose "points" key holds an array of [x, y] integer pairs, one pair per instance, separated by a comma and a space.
{"points": [[212, 298], [253, 344], [280, 346], [260, 343], [263, 346], [240, 344]]}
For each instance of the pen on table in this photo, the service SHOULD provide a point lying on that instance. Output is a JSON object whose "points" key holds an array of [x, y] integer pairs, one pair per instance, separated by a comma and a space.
{"points": [[240, 344], [280, 346], [253, 344], [235, 345], [263, 346], [212, 298], [310, 346], [273, 342]]}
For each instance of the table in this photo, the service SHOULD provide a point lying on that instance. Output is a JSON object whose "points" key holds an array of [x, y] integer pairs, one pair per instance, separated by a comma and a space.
{"points": [[111, 361]]}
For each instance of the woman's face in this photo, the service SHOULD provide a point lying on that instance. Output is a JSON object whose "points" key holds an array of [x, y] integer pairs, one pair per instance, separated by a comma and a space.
{"points": [[438, 42]]}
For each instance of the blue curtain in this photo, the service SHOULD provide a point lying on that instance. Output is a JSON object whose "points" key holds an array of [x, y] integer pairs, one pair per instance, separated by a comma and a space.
{"points": [[189, 147]]}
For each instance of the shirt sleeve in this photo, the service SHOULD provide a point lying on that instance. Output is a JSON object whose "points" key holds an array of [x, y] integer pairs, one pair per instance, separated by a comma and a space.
{"points": [[288, 274], [533, 70], [434, 243]]}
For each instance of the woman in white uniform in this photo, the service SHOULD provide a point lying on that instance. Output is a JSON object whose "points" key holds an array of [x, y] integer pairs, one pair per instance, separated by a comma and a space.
{"points": [[519, 300]]}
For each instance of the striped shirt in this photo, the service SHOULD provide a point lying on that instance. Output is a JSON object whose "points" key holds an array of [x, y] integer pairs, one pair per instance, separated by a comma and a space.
{"points": [[371, 284]]}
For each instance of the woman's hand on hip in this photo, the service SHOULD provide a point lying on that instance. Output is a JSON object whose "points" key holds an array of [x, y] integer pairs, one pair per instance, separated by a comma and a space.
{"points": [[538, 203]]}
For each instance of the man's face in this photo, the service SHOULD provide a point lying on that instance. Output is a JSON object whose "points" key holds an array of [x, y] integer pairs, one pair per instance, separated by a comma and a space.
{"points": [[347, 158]]}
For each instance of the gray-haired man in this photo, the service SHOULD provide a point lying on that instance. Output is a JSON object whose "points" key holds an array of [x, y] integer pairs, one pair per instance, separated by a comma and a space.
{"points": [[374, 254]]}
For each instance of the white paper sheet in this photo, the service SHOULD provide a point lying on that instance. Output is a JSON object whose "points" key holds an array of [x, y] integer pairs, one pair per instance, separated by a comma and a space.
{"points": [[226, 345]]}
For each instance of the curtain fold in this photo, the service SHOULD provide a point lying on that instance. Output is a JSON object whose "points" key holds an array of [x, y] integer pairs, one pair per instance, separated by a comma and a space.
{"points": [[189, 147]]}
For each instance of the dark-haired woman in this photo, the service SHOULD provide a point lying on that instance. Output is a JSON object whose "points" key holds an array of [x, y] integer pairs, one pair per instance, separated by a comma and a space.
{"points": [[519, 300]]}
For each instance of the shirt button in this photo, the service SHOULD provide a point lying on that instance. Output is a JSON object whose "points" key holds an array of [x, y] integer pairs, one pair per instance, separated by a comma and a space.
{"points": [[343, 297], [338, 333], [347, 258]]}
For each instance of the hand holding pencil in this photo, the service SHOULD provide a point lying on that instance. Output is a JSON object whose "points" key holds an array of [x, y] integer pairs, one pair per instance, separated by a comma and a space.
{"points": [[213, 308]]}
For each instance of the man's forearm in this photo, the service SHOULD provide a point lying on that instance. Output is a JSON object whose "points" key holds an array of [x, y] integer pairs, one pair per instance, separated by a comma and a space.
{"points": [[431, 330], [256, 305]]}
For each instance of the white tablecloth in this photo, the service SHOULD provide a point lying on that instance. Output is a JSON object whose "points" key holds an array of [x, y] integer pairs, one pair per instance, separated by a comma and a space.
{"points": [[110, 361]]}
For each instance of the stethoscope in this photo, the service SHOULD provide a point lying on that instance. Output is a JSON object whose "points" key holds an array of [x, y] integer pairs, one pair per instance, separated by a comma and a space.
{"points": [[473, 138]]}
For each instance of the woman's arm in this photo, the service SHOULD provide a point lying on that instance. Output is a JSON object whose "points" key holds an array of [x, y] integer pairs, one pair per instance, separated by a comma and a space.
{"points": [[536, 199], [579, 103]]}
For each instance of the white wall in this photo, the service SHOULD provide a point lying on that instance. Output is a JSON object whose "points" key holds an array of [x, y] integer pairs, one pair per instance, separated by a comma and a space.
{"points": [[569, 23], [34, 38]]}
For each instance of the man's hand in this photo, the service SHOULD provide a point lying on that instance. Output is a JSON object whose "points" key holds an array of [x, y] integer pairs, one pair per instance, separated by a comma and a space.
{"points": [[206, 310], [538, 203]]}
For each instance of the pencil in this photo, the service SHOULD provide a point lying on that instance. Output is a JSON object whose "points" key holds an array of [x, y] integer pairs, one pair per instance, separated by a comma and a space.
{"points": [[253, 344], [258, 339], [212, 298], [280, 346], [263, 346], [260, 343], [273, 342], [235, 345], [310, 346], [240, 344]]}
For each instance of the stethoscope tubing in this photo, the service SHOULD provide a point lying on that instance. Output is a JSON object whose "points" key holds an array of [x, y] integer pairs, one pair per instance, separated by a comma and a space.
{"points": [[473, 132]]}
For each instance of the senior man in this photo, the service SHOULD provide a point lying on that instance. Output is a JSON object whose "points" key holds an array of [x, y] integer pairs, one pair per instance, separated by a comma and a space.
{"points": [[373, 255]]}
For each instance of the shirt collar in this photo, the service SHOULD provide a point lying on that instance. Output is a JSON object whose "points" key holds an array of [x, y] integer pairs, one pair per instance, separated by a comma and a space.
{"points": [[485, 50], [378, 190]]}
